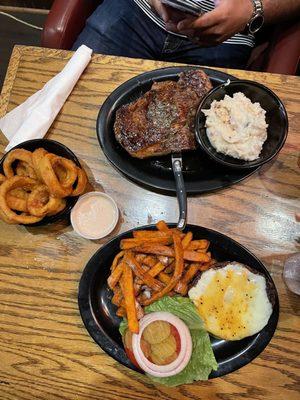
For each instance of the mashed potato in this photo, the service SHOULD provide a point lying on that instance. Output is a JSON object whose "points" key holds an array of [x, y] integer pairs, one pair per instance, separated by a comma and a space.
{"points": [[237, 127]]}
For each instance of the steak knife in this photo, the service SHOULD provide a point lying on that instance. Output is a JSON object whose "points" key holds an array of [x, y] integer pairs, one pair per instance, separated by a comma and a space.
{"points": [[180, 189]]}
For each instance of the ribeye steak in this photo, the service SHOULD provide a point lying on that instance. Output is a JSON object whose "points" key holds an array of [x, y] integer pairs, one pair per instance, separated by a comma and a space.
{"points": [[162, 120]]}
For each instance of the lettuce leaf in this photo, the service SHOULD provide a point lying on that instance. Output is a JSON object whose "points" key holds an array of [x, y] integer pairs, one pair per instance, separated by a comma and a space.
{"points": [[182, 307], [202, 361], [123, 326]]}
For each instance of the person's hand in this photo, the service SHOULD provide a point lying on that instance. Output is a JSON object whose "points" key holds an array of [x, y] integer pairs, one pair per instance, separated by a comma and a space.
{"points": [[212, 28], [160, 9]]}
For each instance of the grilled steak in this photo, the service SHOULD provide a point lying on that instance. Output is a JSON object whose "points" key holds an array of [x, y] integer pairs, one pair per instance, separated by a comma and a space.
{"points": [[162, 120]]}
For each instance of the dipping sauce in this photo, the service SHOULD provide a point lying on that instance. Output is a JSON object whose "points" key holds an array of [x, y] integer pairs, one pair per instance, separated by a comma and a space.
{"points": [[95, 215], [237, 127]]}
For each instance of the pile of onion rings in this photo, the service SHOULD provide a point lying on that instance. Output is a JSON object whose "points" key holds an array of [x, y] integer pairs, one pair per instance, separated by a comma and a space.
{"points": [[36, 184]]}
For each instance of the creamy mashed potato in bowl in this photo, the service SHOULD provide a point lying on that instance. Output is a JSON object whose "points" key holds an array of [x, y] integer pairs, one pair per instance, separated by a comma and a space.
{"points": [[237, 127], [241, 124]]}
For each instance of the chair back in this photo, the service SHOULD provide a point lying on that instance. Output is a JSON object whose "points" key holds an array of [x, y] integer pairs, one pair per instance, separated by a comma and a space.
{"points": [[65, 21]]}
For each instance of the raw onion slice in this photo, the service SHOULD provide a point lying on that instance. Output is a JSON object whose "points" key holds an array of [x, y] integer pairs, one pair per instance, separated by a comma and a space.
{"points": [[184, 355]]}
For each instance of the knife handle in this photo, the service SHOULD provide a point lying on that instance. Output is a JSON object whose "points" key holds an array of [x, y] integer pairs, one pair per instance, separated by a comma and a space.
{"points": [[181, 193]]}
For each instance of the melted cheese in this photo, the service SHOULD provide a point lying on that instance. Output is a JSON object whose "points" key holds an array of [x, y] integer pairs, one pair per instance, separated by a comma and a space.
{"points": [[232, 301]]}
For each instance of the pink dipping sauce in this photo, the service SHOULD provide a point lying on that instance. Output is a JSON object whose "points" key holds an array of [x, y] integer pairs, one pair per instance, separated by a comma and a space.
{"points": [[95, 215]]}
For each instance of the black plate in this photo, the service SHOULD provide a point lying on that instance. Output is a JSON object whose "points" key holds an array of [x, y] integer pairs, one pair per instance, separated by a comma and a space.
{"points": [[201, 173], [98, 313], [59, 149]]}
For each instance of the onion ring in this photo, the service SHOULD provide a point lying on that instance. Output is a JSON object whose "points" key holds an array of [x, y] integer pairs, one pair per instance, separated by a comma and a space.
{"points": [[64, 164], [10, 184], [4, 218], [17, 154], [2, 178], [61, 174], [81, 182], [37, 156], [34, 185], [17, 200], [40, 201], [25, 169], [61, 207], [51, 180]]}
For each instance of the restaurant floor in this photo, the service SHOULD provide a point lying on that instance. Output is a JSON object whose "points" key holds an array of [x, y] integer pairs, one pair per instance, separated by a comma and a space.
{"points": [[13, 32]]}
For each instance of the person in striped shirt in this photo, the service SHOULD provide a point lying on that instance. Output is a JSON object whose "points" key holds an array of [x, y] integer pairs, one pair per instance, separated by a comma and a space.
{"points": [[221, 36]]}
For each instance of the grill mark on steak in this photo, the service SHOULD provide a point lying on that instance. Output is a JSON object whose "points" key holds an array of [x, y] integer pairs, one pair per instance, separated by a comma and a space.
{"points": [[162, 120]]}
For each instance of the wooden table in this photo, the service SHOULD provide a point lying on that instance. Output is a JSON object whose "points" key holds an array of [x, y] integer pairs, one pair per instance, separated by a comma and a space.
{"points": [[45, 351]]}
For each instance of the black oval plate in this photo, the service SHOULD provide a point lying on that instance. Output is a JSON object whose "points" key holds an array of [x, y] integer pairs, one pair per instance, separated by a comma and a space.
{"points": [[99, 314], [201, 173]]}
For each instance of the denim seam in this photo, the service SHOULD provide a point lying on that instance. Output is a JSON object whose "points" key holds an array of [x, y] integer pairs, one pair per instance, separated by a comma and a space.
{"points": [[169, 46]]}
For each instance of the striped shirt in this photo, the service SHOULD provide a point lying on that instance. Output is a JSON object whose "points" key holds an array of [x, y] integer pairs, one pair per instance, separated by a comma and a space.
{"points": [[206, 5]]}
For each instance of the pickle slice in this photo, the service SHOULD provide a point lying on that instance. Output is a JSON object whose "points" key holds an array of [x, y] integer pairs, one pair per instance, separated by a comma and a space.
{"points": [[163, 361], [164, 349], [157, 332]]}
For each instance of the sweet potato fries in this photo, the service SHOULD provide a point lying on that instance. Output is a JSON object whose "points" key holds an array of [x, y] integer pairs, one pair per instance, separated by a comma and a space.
{"points": [[153, 264]]}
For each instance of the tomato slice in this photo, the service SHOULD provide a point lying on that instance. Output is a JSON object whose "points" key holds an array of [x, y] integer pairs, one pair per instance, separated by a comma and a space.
{"points": [[131, 357], [127, 342]]}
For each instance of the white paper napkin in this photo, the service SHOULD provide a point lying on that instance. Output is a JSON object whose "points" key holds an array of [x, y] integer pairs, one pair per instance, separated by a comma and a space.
{"points": [[33, 118]]}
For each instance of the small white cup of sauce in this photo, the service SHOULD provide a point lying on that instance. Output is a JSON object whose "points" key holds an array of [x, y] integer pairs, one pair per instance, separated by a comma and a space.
{"points": [[95, 215]]}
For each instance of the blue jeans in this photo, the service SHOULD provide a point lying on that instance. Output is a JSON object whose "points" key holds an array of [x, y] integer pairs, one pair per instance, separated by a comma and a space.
{"points": [[119, 27]]}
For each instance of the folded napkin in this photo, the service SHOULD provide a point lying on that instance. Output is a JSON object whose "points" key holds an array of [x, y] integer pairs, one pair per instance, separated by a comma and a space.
{"points": [[33, 118]]}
